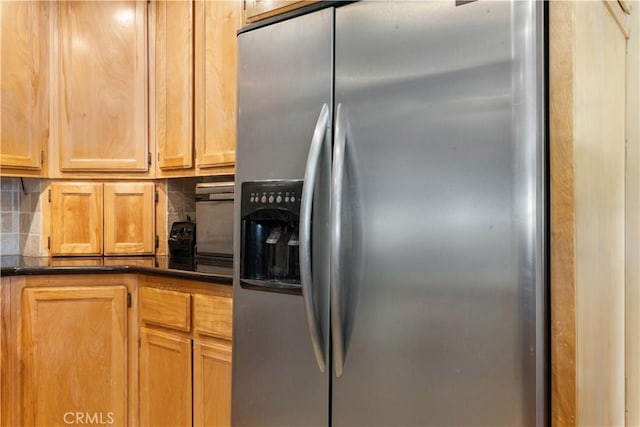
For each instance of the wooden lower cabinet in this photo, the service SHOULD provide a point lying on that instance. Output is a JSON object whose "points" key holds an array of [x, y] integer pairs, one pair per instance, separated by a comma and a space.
{"points": [[211, 383], [74, 347], [185, 368], [165, 379]]}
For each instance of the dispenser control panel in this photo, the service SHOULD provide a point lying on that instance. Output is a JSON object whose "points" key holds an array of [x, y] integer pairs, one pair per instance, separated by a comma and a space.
{"points": [[271, 195], [270, 236]]}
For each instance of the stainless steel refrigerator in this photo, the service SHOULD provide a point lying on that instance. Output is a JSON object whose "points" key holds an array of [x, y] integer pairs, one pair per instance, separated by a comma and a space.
{"points": [[391, 217]]}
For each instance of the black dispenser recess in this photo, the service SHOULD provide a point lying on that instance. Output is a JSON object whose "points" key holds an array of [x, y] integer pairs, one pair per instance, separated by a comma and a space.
{"points": [[269, 257]]}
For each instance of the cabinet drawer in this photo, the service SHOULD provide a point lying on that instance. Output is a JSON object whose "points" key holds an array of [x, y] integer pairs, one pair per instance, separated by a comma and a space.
{"points": [[171, 309], [212, 315]]}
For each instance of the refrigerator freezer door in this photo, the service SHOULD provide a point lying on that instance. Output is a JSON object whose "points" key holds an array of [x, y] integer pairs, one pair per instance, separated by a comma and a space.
{"points": [[285, 77], [443, 108]]}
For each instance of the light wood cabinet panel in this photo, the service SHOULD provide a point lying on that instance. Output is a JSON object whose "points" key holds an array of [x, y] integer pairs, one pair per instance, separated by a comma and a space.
{"points": [[216, 23], [102, 86], [165, 379], [171, 309], [129, 218], [211, 383], [163, 306], [24, 84], [76, 218], [212, 315], [74, 343], [174, 83], [587, 62], [257, 10]]}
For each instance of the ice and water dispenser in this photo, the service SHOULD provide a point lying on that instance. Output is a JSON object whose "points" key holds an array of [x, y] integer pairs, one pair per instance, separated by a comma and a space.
{"points": [[270, 212]]}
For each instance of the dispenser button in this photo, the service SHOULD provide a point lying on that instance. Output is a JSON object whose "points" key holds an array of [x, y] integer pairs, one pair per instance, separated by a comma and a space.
{"points": [[286, 199], [251, 199], [270, 199], [279, 199], [293, 199], [264, 199]]}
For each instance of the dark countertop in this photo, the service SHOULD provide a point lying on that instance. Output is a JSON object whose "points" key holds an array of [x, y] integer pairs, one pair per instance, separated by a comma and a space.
{"points": [[15, 265]]}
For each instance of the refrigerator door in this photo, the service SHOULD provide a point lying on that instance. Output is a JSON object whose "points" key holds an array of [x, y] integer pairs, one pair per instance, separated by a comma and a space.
{"points": [[285, 78], [442, 277]]}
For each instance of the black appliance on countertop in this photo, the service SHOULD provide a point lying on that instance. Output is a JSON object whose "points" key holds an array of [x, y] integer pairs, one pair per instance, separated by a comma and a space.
{"points": [[182, 241]]}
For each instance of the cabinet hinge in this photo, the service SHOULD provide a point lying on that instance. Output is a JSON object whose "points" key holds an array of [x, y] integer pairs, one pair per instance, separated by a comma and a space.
{"points": [[139, 342], [41, 157], [49, 195], [48, 242], [129, 299], [157, 197], [149, 158], [157, 241]]}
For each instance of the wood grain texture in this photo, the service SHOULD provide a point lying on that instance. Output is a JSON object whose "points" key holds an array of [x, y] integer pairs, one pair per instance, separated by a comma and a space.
{"points": [[562, 214], [24, 85], [212, 315], [165, 379], [216, 24], [174, 83], [257, 10], [211, 383], [129, 218], [89, 372], [632, 278], [102, 86], [615, 8], [599, 157], [170, 309], [76, 218], [161, 218]]}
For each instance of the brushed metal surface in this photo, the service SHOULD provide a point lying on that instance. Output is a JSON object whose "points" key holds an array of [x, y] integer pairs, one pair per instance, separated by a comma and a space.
{"points": [[285, 75], [319, 143], [214, 218], [444, 109]]}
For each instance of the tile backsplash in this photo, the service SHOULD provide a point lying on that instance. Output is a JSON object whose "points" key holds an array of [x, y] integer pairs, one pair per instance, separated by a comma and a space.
{"points": [[21, 216], [10, 216]]}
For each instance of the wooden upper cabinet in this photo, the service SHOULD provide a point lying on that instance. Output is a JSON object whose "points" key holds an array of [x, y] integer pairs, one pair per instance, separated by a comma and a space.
{"points": [[76, 218], [24, 88], [256, 10], [102, 86], [216, 24], [174, 84], [129, 218], [74, 344]]}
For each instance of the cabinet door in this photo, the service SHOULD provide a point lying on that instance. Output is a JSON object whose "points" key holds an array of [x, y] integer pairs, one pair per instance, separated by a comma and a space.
{"points": [[165, 379], [129, 222], [76, 218], [74, 344], [23, 83], [256, 10], [216, 23], [102, 85], [211, 383], [174, 83]]}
